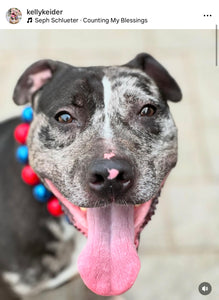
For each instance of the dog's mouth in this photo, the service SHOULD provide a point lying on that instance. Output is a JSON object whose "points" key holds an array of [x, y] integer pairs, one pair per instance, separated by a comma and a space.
{"points": [[109, 263]]}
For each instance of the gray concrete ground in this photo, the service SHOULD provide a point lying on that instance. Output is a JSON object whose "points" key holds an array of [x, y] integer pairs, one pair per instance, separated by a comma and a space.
{"points": [[180, 247]]}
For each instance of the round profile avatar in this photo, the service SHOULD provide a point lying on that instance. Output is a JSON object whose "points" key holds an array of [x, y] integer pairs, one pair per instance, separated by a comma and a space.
{"points": [[14, 15]]}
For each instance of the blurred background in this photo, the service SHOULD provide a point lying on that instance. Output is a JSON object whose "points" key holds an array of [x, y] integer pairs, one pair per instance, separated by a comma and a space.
{"points": [[179, 248]]}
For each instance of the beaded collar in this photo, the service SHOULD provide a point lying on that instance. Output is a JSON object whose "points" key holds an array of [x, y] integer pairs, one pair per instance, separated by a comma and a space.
{"points": [[40, 192]]}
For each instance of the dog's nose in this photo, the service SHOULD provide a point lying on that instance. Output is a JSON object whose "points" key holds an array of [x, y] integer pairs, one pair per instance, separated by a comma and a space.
{"points": [[110, 177]]}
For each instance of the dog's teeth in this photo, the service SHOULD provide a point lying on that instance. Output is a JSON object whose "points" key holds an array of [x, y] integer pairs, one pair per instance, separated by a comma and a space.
{"points": [[83, 208], [137, 205]]}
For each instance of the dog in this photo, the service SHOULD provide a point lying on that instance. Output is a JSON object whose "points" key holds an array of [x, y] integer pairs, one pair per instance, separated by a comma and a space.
{"points": [[103, 141]]}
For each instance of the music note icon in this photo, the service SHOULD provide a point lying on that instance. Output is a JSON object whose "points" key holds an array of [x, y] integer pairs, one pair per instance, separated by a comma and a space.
{"points": [[30, 20]]}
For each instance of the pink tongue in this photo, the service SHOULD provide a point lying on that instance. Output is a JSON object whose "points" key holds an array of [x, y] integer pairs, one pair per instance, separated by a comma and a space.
{"points": [[109, 263]]}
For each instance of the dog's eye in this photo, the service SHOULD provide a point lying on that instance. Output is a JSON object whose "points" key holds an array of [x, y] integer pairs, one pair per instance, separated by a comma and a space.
{"points": [[64, 117], [148, 111]]}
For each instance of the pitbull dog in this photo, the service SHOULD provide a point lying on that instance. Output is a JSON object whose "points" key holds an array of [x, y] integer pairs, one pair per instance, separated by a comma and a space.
{"points": [[103, 142]]}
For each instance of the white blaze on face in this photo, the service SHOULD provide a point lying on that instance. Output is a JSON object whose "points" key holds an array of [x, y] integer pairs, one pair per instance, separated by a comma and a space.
{"points": [[107, 96]]}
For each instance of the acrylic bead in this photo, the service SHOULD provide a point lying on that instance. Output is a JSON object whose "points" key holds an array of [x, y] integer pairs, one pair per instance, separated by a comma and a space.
{"points": [[21, 132], [54, 208], [29, 176], [41, 193], [22, 154], [27, 114]]}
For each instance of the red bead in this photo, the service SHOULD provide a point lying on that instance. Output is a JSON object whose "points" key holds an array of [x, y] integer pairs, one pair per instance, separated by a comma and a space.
{"points": [[21, 132], [29, 176], [54, 208]]}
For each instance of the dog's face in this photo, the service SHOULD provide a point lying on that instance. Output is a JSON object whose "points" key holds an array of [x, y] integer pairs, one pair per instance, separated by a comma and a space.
{"points": [[102, 138]]}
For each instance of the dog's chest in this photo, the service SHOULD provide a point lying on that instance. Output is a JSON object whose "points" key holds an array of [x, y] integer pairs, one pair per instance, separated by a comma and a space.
{"points": [[53, 268]]}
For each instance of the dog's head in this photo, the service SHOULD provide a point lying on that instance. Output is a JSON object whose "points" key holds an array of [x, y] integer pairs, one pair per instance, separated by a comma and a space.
{"points": [[103, 141]]}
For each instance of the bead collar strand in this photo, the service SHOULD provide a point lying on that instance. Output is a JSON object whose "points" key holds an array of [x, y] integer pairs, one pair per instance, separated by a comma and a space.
{"points": [[40, 192]]}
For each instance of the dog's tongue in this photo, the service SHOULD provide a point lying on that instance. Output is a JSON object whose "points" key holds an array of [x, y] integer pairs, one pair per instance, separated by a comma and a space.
{"points": [[109, 263]]}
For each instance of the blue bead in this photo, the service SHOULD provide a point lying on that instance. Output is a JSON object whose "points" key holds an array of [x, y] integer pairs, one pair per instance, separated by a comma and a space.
{"points": [[27, 114], [22, 154], [40, 193]]}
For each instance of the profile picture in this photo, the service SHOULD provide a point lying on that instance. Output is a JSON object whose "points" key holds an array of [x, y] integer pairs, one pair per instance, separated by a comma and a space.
{"points": [[13, 15]]}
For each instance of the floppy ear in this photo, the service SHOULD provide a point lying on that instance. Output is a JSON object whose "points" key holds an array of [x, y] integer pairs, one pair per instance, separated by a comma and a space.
{"points": [[33, 79], [168, 87]]}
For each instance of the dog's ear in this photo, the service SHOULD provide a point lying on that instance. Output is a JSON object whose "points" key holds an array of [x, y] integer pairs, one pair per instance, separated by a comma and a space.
{"points": [[38, 74], [168, 87]]}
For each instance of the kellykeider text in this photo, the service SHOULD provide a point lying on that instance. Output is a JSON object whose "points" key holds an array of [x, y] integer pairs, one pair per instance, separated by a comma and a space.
{"points": [[42, 12]]}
